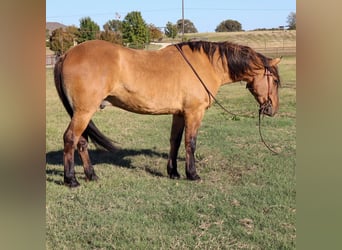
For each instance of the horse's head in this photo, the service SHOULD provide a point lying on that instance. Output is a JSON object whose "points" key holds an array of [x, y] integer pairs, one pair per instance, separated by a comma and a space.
{"points": [[264, 87]]}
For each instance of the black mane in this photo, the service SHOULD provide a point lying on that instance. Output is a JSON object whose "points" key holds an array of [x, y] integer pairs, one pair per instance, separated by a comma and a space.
{"points": [[241, 59]]}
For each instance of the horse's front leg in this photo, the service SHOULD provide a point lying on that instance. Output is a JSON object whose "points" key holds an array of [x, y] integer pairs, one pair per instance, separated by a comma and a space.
{"points": [[175, 141], [192, 124]]}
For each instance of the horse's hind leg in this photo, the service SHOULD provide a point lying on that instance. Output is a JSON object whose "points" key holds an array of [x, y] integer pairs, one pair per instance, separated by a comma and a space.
{"points": [[175, 141], [82, 148], [71, 138], [68, 159]]}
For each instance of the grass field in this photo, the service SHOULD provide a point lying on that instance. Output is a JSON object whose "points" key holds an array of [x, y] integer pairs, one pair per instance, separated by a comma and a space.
{"points": [[246, 199]]}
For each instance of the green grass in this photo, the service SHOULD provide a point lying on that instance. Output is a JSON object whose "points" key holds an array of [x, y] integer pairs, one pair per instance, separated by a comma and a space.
{"points": [[246, 199]]}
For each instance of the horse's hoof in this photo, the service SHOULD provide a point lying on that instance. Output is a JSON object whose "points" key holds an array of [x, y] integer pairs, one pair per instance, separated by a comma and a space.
{"points": [[174, 176], [71, 183], [92, 177], [194, 177]]}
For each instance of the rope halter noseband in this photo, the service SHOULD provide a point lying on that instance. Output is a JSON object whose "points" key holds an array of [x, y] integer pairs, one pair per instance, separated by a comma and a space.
{"points": [[264, 107]]}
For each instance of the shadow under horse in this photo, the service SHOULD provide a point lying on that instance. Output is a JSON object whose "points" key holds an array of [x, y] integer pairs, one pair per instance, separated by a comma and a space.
{"points": [[120, 158]]}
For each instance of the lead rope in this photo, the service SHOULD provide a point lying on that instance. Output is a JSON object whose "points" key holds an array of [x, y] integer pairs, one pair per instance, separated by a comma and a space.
{"points": [[265, 105], [262, 138], [218, 103]]}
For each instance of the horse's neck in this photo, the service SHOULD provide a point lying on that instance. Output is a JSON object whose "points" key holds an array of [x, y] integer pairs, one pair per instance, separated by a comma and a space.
{"points": [[221, 69]]}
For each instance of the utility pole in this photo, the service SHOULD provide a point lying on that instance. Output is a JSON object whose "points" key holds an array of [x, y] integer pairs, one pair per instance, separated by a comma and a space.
{"points": [[182, 20]]}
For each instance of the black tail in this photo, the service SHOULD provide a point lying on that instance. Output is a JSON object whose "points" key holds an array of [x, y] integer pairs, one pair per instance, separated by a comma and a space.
{"points": [[99, 139]]}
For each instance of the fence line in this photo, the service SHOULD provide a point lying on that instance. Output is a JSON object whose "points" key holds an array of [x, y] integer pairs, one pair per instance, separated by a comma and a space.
{"points": [[50, 60], [277, 51]]}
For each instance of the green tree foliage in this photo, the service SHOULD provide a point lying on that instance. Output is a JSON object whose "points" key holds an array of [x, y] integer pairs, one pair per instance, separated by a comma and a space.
{"points": [[89, 30], [134, 30], [171, 30], [112, 32], [291, 21], [155, 33], [189, 27], [73, 31], [113, 25], [62, 39], [111, 36], [47, 34], [47, 37], [228, 26]]}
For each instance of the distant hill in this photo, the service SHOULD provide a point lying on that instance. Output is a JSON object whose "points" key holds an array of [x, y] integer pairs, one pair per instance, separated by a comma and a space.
{"points": [[51, 26]]}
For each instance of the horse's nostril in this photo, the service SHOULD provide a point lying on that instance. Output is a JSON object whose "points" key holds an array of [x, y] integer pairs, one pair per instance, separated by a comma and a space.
{"points": [[266, 109]]}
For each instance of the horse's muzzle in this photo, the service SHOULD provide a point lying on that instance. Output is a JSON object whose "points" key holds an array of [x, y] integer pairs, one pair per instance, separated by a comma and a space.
{"points": [[266, 108]]}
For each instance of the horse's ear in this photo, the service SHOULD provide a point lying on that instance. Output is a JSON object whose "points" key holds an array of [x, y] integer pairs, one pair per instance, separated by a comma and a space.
{"points": [[275, 61]]}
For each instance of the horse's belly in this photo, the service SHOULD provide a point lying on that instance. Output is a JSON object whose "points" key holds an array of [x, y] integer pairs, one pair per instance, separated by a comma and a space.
{"points": [[144, 105]]}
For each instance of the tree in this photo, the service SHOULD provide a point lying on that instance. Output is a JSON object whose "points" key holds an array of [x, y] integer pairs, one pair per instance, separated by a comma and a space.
{"points": [[111, 36], [89, 30], [47, 34], [62, 39], [291, 21], [155, 33], [73, 31], [134, 30], [189, 27], [112, 31], [171, 30], [47, 37], [113, 25], [228, 26]]}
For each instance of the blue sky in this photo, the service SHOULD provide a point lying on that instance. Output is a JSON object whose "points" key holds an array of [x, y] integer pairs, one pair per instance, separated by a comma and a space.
{"points": [[205, 14]]}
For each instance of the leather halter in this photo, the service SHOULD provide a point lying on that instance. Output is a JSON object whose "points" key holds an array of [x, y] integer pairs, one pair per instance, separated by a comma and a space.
{"points": [[268, 102]]}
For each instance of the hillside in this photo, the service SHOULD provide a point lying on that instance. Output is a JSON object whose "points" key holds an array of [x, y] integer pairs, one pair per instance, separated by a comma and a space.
{"points": [[51, 26], [255, 39]]}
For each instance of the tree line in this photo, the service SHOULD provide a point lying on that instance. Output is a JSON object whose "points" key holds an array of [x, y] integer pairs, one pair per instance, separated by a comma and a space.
{"points": [[132, 31]]}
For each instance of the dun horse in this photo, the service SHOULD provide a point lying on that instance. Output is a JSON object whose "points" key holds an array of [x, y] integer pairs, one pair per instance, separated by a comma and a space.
{"points": [[167, 81]]}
